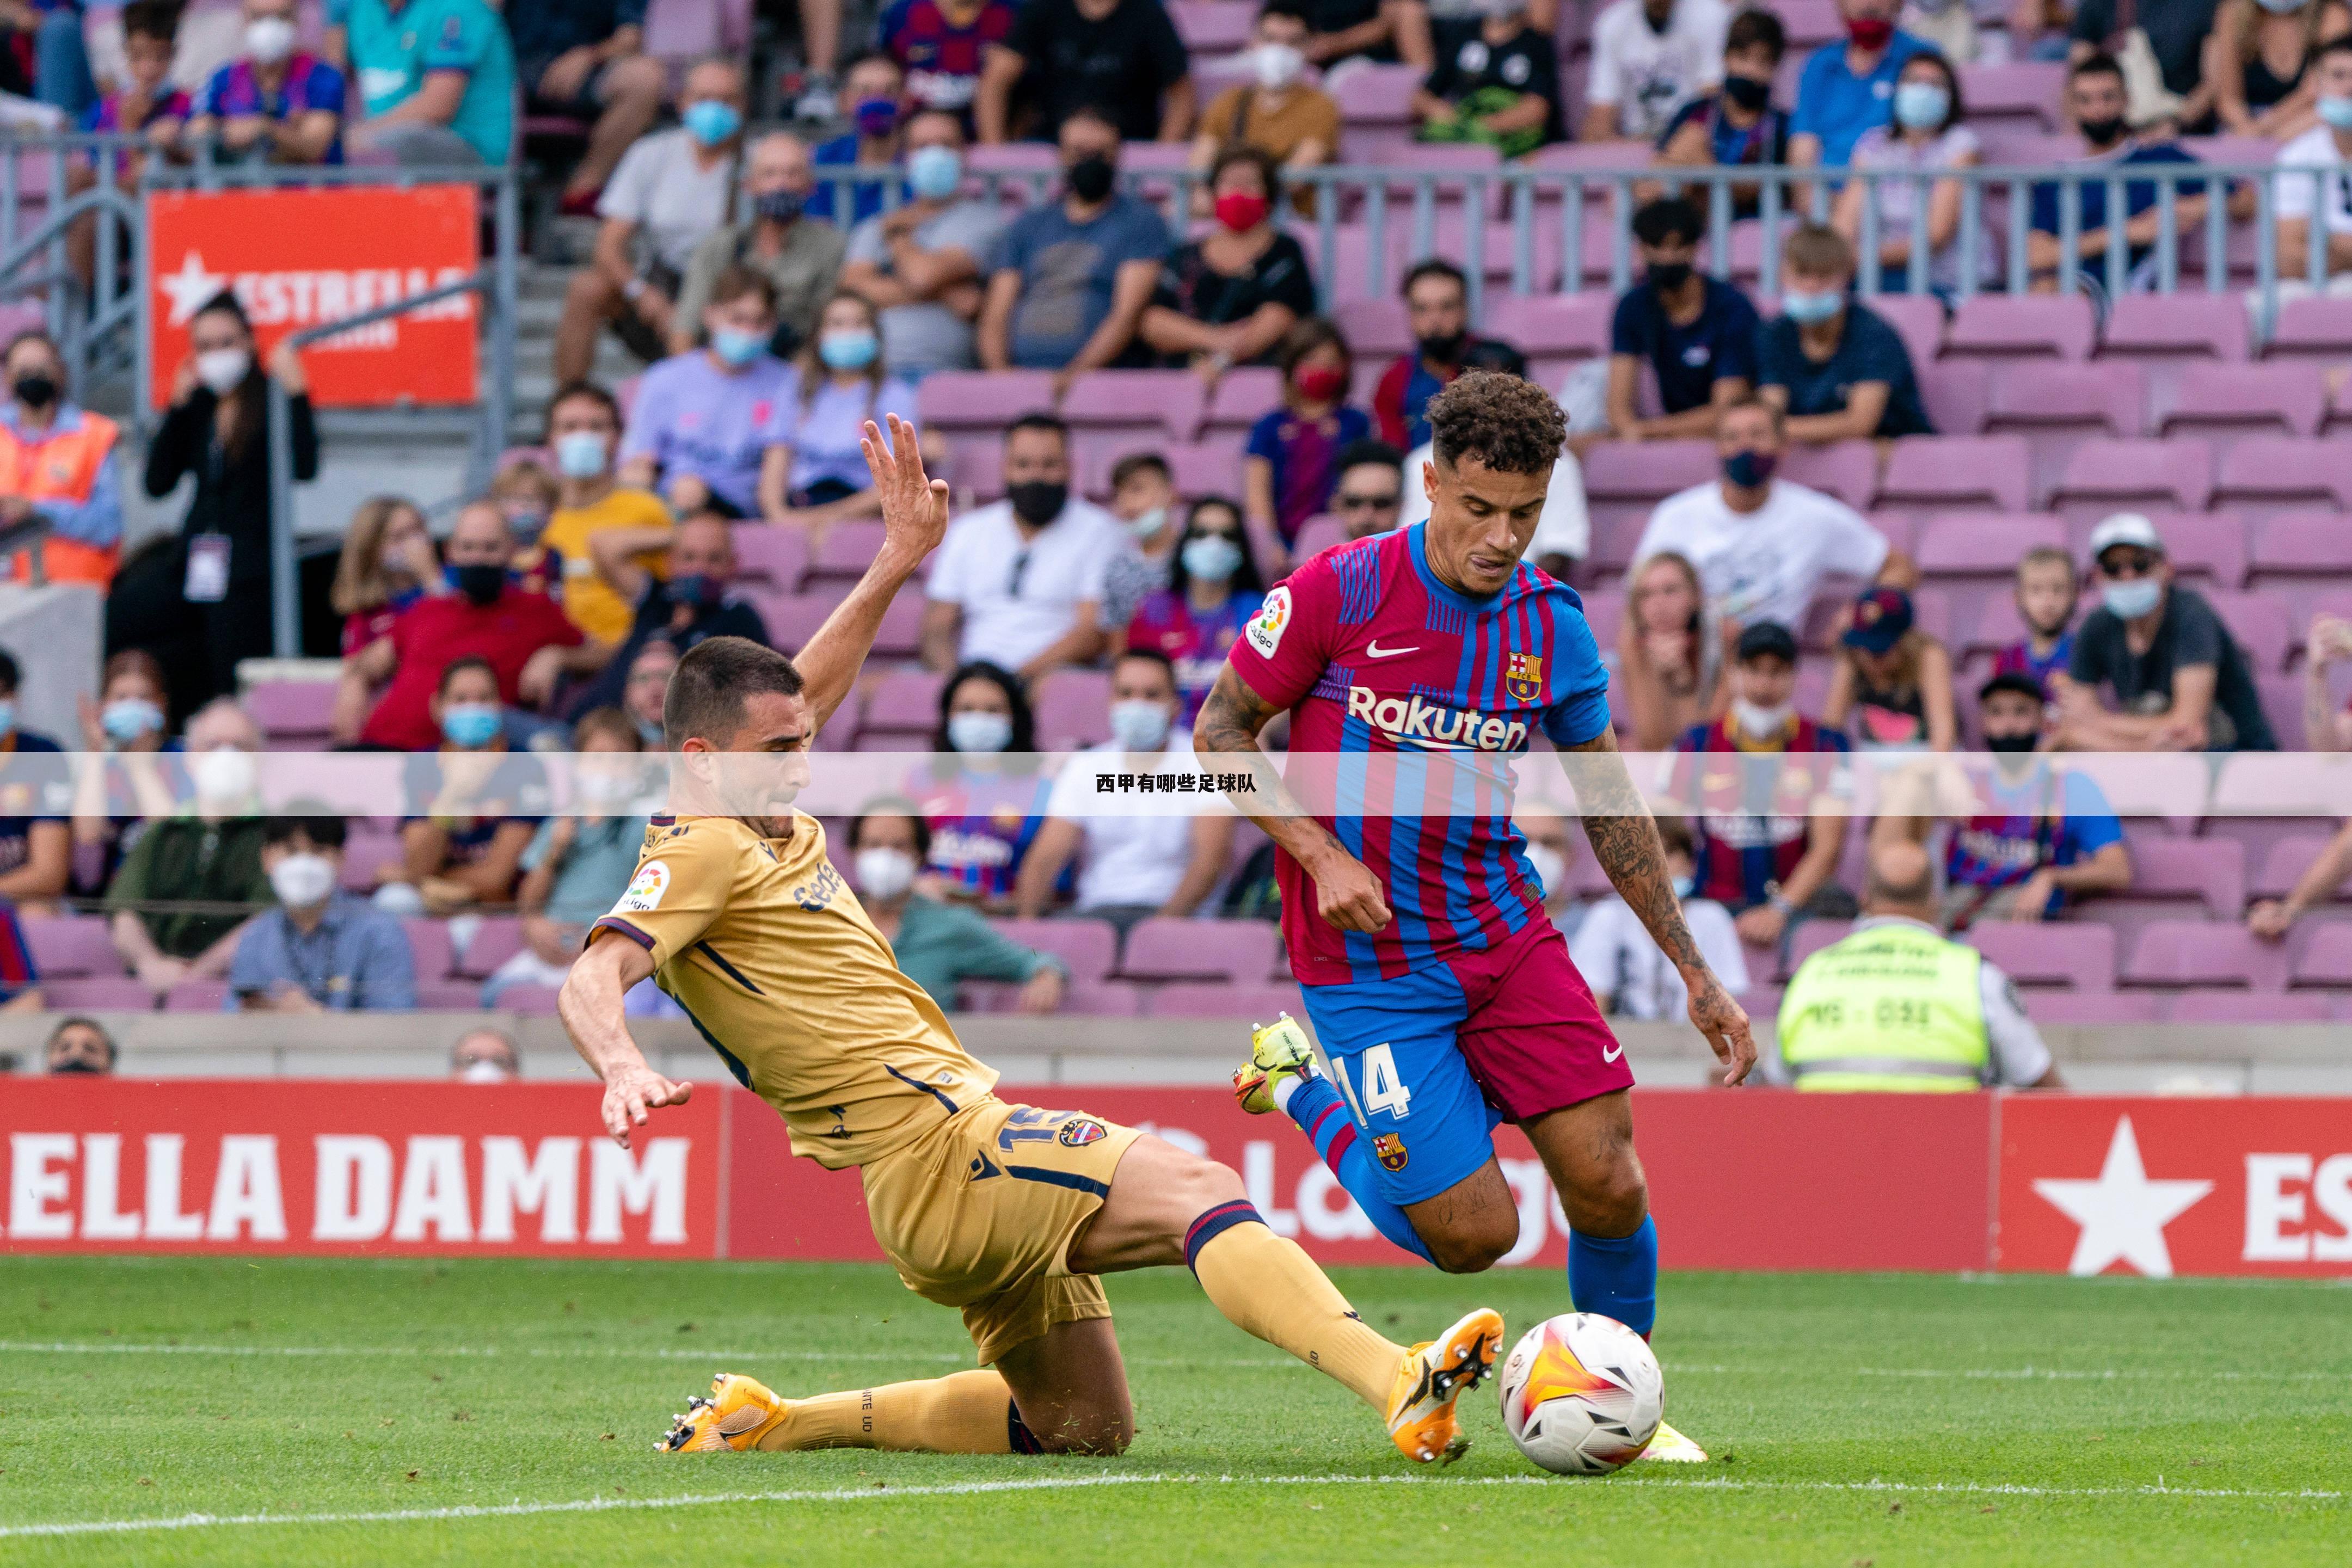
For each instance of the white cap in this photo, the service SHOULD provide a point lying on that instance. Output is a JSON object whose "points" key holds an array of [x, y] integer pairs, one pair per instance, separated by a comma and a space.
{"points": [[2125, 529]]}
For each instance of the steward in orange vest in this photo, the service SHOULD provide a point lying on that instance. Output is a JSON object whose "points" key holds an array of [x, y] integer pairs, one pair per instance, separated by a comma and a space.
{"points": [[57, 460]]}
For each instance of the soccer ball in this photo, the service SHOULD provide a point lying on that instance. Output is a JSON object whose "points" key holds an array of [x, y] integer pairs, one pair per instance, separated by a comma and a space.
{"points": [[1582, 1395]]}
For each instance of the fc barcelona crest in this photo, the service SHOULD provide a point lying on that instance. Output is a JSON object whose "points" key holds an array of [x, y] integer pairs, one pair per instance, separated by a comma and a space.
{"points": [[1388, 1149], [1523, 677]]}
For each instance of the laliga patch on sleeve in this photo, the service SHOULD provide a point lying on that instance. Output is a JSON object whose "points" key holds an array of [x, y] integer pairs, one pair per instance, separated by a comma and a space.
{"points": [[646, 889], [1264, 630]]}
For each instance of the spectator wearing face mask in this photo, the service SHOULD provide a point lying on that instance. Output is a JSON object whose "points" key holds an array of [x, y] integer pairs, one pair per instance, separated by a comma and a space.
{"points": [[921, 262], [80, 1045], [583, 433], [799, 256], [276, 103], [645, 687], [2260, 56], [694, 600], [1564, 532], [1832, 365], [875, 91], [476, 804], [941, 45], [1280, 112], [1143, 499], [937, 945], [2298, 198], [520, 634], [57, 461], [1650, 58], [484, 1056], [1696, 334], [524, 493], [1291, 463], [1438, 312], [672, 189], [36, 853], [1847, 86], [1737, 123], [208, 854], [1631, 976], [578, 864], [1231, 296], [1213, 591], [842, 382], [1925, 135], [318, 948], [113, 804], [708, 424], [1155, 856], [980, 797]]}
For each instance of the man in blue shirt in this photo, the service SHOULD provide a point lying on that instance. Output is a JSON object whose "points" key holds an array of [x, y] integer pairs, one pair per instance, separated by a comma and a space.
{"points": [[2097, 101], [1696, 333], [437, 78], [874, 87], [1847, 88], [1830, 362], [321, 950]]}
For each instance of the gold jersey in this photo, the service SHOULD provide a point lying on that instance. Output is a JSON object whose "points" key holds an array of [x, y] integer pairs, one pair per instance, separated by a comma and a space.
{"points": [[764, 945]]}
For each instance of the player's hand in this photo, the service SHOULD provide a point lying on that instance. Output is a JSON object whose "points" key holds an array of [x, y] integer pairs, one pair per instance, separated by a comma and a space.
{"points": [[2269, 919], [914, 505], [1725, 1024], [1348, 894], [633, 1092]]}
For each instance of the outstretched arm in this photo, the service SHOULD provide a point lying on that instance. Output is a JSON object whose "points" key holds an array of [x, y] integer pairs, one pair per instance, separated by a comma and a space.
{"points": [[1625, 843], [914, 518], [590, 1004]]}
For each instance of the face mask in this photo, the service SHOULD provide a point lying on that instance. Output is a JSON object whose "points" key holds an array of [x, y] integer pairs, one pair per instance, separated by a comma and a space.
{"points": [[2131, 600], [1037, 502], [876, 117], [1550, 868], [737, 347], [2336, 111], [1747, 92], [1140, 725], [301, 881], [1143, 525], [1920, 104], [934, 172], [2103, 133], [470, 726], [1750, 469], [780, 206], [2011, 745], [1321, 383], [1211, 557], [979, 731], [1870, 32], [221, 369], [77, 1068], [126, 720], [697, 589], [1808, 309], [1757, 721], [484, 1072], [225, 773], [1445, 349], [481, 581], [580, 453], [1684, 887], [8, 715], [2282, 8], [36, 390], [1091, 177], [883, 873], [1240, 212], [526, 523], [1277, 65], [709, 121], [851, 351], [1666, 276], [269, 40]]}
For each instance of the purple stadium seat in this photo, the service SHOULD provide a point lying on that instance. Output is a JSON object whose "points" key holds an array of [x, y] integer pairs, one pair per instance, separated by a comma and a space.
{"points": [[2281, 698], [1917, 319], [2231, 400], [904, 702], [2022, 90], [1551, 324], [429, 946], [1376, 328], [292, 709], [2262, 622], [1646, 471], [1957, 393], [975, 465], [1073, 709], [2093, 1007], [70, 946], [1955, 470], [368, 849], [1808, 938], [196, 996], [97, 993], [2132, 475], [791, 619], [451, 996], [1088, 947], [496, 940], [1983, 547], [2110, 399], [1145, 402], [2311, 329], [1168, 949], [2282, 864], [846, 549], [900, 636], [765, 552], [2077, 955], [1317, 534], [2238, 1006], [1243, 396], [2300, 544], [2177, 326], [2326, 956], [1260, 1002], [1846, 469], [2211, 869], [2204, 953], [1207, 467], [1211, 26], [1013, 158], [2279, 468], [531, 1001], [963, 399], [1997, 326]]}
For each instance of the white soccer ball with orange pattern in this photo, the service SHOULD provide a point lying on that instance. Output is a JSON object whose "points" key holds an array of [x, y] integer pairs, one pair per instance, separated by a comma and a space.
{"points": [[1582, 1395]]}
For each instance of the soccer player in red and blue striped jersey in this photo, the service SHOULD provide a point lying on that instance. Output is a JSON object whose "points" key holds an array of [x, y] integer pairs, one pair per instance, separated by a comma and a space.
{"points": [[1416, 666]]}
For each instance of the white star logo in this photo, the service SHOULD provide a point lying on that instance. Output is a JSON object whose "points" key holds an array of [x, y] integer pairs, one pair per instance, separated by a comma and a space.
{"points": [[191, 288], [2123, 1214]]}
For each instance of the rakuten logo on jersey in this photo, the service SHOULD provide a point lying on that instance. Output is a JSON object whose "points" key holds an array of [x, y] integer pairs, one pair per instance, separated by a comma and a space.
{"points": [[1410, 719]]}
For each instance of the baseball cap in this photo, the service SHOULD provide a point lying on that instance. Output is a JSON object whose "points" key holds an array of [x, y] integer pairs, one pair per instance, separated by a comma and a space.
{"points": [[2125, 529], [1766, 637], [2016, 681], [1881, 617]]}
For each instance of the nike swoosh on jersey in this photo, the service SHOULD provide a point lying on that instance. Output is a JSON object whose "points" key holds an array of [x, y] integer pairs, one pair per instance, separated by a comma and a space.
{"points": [[1608, 1055], [1372, 650]]}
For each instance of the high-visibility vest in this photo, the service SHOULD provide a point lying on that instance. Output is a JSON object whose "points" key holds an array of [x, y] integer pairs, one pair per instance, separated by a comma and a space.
{"points": [[1892, 1007], [62, 463]]}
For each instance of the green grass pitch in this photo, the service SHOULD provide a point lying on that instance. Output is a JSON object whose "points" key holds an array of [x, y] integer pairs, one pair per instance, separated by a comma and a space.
{"points": [[1879, 1419]]}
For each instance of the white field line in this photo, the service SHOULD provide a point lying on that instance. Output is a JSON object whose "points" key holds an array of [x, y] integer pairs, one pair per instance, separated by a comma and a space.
{"points": [[882, 1492]]}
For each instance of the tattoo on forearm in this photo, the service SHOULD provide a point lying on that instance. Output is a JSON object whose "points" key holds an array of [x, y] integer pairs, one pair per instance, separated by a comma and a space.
{"points": [[1624, 839], [1228, 725]]}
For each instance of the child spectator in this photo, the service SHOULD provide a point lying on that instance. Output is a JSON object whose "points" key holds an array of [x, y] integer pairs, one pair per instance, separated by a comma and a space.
{"points": [[941, 45], [1630, 975], [147, 104], [577, 865], [388, 562], [1830, 363], [276, 103], [1213, 592], [1892, 688], [1293, 452], [1737, 124], [842, 383], [524, 493], [2047, 593], [1497, 81], [1143, 496]]}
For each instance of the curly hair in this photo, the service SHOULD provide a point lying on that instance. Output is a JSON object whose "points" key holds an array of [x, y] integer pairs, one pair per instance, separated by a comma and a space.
{"points": [[1511, 423]]}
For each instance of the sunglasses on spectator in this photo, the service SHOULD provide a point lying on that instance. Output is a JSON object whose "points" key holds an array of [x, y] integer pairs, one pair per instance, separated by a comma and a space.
{"points": [[2128, 563], [1369, 503]]}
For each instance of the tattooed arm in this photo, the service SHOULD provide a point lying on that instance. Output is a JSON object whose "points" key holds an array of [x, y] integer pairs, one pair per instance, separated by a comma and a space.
{"points": [[1346, 893], [1625, 843]]}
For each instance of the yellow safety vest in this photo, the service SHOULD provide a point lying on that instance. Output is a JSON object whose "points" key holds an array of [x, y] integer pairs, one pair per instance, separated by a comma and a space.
{"points": [[1895, 1008]]}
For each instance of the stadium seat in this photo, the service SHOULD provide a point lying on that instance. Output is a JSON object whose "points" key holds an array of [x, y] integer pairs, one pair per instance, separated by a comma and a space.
{"points": [[1917, 318], [2211, 869], [1317, 534], [904, 702], [1073, 708], [2311, 329], [2262, 622], [2302, 544], [900, 636], [2093, 1007], [2204, 953], [846, 549], [2104, 399], [1212, 26], [1162, 949], [2134, 476], [1152, 405], [1087, 948], [2026, 90], [1245, 394], [2279, 469], [369, 847], [1376, 328], [2237, 400], [1647, 472], [2325, 958], [293, 715], [1955, 471], [771, 554], [1846, 469], [1957, 393], [950, 401], [2076, 955], [451, 996], [2238, 1008], [1987, 548], [2282, 864], [531, 1001], [429, 946], [196, 996], [2178, 326], [791, 619], [496, 939], [1997, 326], [1808, 938], [96, 993], [1546, 326], [1259, 1001], [70, 946]]}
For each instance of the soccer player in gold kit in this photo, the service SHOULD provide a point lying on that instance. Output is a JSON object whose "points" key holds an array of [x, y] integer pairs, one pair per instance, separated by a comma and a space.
{"points": [[1010, 1212]]}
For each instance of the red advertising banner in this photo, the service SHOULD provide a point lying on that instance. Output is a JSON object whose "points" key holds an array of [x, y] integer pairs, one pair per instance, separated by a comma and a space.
{"points": [[293, 1167], [300, 259], [2176, 1186]]}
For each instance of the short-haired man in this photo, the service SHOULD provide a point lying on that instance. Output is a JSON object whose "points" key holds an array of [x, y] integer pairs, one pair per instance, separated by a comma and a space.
{"points": [[1438, 312], [320, 949], [583, 433], [1696, 333], [1280, 112], [1021, 582], [1564, 532], [798, 254], [692, 599], [919, 263], [80, 1045], [1369, 497], [437, 78], [1830, 362], [1650, 58], [1437, 648], [2098, 106], [1737, 123], [1847, 84], [2310, 187], [207, 856]]}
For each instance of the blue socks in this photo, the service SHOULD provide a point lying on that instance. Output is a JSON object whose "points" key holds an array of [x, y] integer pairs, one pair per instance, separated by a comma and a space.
{"points": [[1316, 1106], [1615, 1276]]}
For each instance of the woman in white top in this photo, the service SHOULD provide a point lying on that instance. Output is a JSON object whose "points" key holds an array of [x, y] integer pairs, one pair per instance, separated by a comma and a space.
{"points": [[1923, 136]]}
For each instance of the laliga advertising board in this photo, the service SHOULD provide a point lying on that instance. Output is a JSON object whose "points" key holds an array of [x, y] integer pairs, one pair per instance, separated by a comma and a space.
{"points": [[300, 259]]}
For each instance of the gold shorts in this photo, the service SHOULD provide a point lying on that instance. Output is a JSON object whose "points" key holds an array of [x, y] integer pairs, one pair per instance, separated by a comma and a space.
{"points": [[978, 1212]]}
